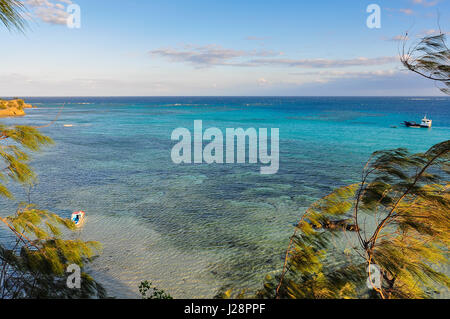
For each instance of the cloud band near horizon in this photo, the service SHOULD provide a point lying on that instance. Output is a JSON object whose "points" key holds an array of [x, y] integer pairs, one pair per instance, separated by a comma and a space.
{"points": [[214, 55]]}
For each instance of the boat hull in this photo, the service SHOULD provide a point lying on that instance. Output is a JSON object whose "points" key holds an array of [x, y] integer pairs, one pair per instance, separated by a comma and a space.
{"points": [[413, 124]]}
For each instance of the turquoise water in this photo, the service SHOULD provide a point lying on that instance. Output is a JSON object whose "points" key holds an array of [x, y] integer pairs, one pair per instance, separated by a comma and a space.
{"points": [[192, 229]]}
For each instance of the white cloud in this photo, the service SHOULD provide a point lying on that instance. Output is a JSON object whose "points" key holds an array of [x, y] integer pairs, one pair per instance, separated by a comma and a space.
{"points": [[49, 11], [262, 82], [255, 38], [426, 3], [400, 37], [432, 32], [210, 55], [214, 55], [327, 75], [324, 63], [35, 85], [406, 11], [331, 83]]}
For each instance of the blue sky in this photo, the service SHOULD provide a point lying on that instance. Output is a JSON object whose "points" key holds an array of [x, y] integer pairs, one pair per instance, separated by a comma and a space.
{"points": [[227, 47]]}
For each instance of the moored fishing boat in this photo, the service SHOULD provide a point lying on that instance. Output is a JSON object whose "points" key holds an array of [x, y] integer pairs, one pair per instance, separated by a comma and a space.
{"points": [[426, 123]]}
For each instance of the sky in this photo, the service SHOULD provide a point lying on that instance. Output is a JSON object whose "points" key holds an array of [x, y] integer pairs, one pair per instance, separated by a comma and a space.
{"points": [[217, 48]]}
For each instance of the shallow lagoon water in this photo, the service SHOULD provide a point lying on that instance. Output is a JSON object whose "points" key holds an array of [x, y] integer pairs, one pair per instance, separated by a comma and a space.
{"points": [[192, 229]]}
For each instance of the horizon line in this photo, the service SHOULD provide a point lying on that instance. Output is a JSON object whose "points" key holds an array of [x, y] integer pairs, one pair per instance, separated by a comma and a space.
{"points": [[212, 96]]}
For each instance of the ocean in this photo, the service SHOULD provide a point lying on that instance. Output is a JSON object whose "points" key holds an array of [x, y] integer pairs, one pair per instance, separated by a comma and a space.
{"points": [[192, 229]]}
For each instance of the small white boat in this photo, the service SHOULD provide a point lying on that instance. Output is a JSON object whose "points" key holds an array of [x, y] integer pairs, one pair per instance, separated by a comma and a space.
{"points": [[426, 123], [78, 218]]}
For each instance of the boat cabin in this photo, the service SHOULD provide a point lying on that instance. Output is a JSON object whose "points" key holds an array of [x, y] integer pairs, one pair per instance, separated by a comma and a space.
{"points": [[426, 122]]}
